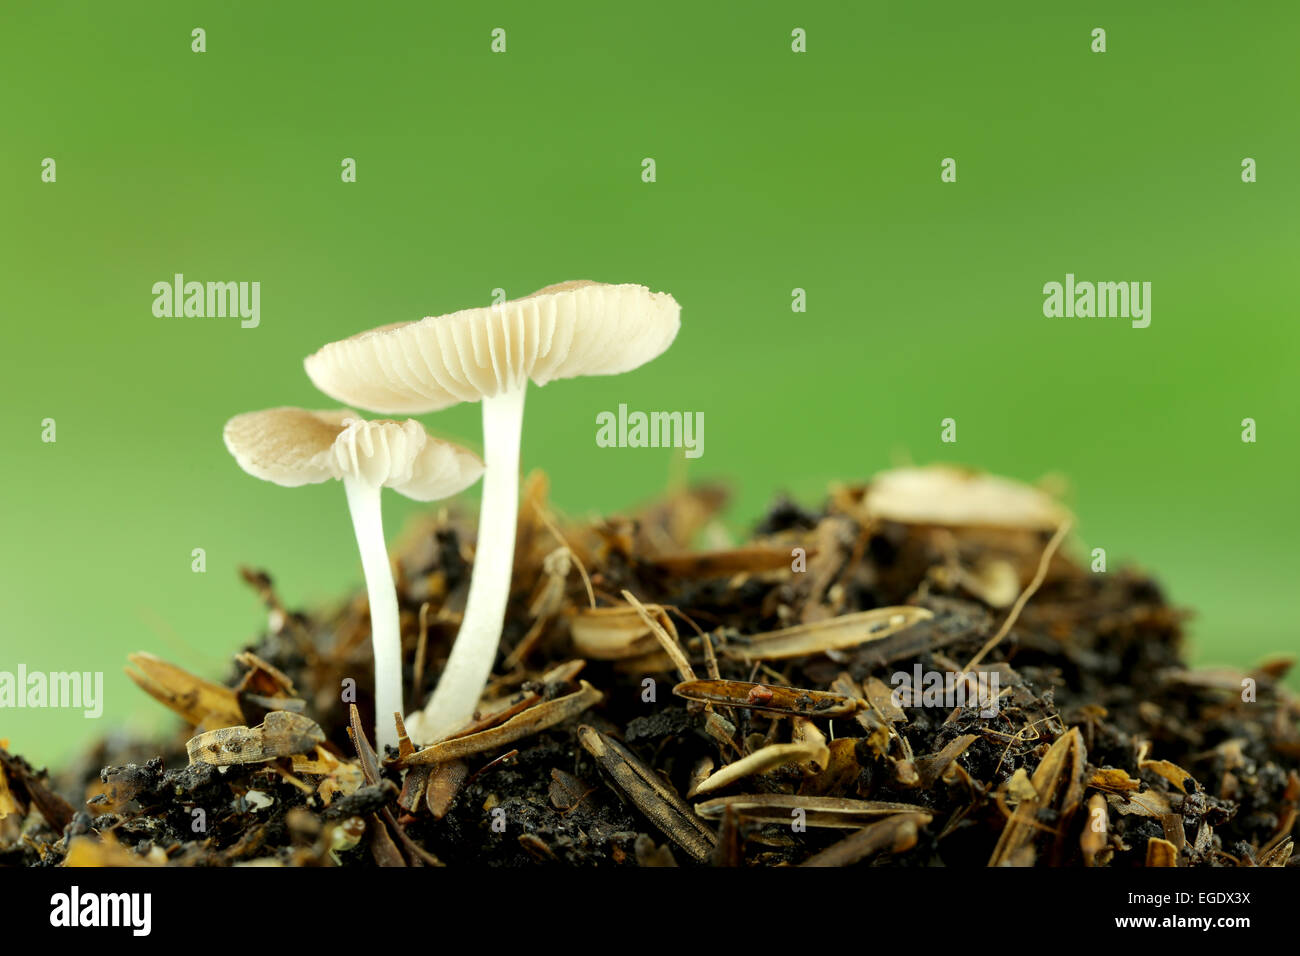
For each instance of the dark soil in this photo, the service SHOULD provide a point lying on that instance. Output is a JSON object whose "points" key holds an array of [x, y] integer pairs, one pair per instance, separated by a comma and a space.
{"points": [[1100, 719]]}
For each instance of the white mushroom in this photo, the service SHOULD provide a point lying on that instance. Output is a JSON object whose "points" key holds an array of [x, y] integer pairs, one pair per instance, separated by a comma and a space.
{"points": [[490, 355], [293, 446]]}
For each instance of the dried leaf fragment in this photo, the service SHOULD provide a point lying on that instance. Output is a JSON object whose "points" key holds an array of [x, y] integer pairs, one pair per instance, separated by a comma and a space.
{"points": [[1058, 780], [86, 851], [754, 559], [829, 634], [445, 781], [881, 697], [1149, 803], [281, 734], [611, 633], [952, 497], [566, 790], [1161, 852], [382, 847], [1175, 774], [1278, 855], [1114, 780], [369, 759], [199, 702], [28, 789], [524, 724], [656, 800], [995, 581], [341, 778]]}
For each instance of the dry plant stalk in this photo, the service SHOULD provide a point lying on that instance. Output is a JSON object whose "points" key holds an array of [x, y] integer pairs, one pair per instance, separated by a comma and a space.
{"points": [[769, 699], [830, 634], [531, 721], [833, 812]]}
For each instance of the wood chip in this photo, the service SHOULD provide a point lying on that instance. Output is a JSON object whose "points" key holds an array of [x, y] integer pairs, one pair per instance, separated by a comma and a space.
{"points": [[930, 768], [893, 834], [1172, 823], [1096, 830], [755, 559]]}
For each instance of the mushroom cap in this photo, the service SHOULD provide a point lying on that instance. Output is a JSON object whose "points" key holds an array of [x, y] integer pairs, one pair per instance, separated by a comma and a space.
{"points": [[562, 331], [294, 446]]}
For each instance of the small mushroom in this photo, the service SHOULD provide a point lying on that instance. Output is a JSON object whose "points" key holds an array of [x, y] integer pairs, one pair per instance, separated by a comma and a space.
{"points": [[293, 446], [489, 355]]}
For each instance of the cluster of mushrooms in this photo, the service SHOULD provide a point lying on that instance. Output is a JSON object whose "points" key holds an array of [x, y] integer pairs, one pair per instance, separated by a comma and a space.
{"points": [[483, 355]]}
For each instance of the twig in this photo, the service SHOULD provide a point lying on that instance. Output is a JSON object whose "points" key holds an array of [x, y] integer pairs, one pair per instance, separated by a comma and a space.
{"points": [[582, 569], [1025, 595], [421, 646]]}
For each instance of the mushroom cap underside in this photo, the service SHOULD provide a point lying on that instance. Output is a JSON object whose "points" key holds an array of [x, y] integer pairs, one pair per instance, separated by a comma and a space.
{"points": [[562, 331], [296, 446]]}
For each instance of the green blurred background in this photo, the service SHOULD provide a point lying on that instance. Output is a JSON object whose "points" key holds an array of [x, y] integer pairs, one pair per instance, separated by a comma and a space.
{"points": [[775, 170]]}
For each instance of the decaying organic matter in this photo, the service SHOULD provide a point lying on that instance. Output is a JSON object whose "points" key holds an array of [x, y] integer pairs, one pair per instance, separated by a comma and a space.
{"points": [[652, 705]]}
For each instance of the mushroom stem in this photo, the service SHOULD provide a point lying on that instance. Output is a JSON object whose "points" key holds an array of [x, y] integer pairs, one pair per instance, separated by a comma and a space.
{"points": [[472, 656], [385, 625]]}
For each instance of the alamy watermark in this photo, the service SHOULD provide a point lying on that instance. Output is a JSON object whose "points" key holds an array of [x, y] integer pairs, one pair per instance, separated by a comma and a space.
{"points": [[947, 689], [53, 689], [133, 911], [651, 430], [1102, 300], [208, 300]]}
